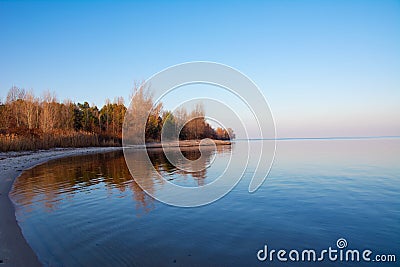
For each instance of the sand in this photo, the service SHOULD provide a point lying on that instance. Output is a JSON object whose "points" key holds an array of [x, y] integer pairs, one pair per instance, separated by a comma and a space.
{"points": [[14, 250]]}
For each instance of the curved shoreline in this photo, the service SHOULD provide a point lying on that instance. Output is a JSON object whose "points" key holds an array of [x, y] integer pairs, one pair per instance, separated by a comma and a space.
{"points": [[14, 249]]}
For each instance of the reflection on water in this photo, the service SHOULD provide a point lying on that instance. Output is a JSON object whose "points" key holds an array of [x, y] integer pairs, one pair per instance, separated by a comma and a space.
{"points": [[57, 180], [88, 210]]}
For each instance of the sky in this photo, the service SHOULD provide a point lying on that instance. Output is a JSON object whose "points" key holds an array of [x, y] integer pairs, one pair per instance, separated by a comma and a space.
{"points": [[326, 68]]}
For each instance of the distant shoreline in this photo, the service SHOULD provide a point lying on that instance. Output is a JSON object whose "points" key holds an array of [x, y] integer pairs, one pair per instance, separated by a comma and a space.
{"points": [[321, 138], [184, 143]]}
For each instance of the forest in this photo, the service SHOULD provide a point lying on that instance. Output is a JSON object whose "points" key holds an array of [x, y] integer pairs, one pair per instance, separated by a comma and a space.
{"points": [[28, 122]]}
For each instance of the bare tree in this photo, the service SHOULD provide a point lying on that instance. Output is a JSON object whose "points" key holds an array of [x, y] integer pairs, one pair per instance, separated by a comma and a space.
{"points": [[31, 106], [48, 119], [15, 98], [137, 114]]}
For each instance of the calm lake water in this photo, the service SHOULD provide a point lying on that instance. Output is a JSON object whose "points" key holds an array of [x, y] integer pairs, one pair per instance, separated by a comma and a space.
{"points": [[88, 210]]}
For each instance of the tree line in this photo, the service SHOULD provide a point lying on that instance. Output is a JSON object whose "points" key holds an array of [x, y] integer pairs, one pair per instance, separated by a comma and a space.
{"points": [[28, 122]]}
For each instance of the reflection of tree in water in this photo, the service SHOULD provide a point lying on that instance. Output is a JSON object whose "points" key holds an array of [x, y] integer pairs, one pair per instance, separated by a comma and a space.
{"points": [[196, 167], [61, 179], [199, 162], [51, 183]]}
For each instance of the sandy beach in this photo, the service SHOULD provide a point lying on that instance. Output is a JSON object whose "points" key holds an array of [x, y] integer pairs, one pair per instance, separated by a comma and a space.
{"points": [[14, 250]]}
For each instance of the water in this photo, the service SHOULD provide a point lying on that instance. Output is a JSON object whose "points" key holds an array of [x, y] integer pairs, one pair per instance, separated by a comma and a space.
{"points": [[88, 211]]}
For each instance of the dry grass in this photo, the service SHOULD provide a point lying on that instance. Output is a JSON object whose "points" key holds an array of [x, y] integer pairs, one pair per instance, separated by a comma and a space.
{"points": [[59, 139]]}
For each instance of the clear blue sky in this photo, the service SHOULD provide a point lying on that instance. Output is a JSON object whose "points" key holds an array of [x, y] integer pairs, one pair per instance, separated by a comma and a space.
{"points": [[327, 68]]}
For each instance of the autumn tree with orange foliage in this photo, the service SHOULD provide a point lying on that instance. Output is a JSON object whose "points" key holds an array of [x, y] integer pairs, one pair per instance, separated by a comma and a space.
{"points": [[29, 123]]}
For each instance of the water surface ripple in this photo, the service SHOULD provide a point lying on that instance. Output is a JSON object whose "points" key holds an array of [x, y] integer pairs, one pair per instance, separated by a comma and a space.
{"points": [[88, 210]]}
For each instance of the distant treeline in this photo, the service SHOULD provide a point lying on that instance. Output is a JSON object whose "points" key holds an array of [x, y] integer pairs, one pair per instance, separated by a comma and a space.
{"points": [[30, 123]]}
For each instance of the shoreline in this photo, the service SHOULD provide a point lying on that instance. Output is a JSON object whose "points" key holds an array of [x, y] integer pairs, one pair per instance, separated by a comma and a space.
{"points": [[188, 143], [14, 249]]}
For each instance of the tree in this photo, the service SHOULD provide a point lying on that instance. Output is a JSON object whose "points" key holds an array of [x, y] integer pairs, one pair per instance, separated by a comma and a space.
{"points": [[15, 99], [49, 112], [31, 107], [29, 122], [136, 118], [169, 126], [181, 118], [112, 117]]}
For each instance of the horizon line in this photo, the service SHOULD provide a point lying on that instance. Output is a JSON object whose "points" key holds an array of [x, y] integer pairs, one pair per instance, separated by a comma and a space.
{"points": [[321, 138]]}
